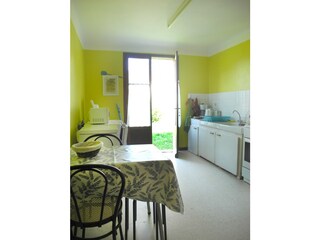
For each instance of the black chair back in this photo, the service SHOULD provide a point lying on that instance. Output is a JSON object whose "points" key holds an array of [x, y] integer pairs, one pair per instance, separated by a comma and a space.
{"points": [[96, 192], [113, 139]]}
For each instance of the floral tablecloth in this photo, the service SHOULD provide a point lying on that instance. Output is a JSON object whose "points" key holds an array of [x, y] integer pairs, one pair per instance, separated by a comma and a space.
{"points": [[150, 176]]}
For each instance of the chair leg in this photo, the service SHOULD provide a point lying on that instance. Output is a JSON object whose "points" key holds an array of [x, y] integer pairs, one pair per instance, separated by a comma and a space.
{"points": [[126, 218], [164, 220], [120, 227], [148, 206], [155, 217], [121, 233], [134, 218], [159, 221], [83, 233], [154, 212], [75, 231], [114, 229], [134, 213]]}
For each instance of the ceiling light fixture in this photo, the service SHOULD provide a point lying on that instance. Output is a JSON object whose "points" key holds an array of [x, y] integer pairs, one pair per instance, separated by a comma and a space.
{"points": [[179, 10]]}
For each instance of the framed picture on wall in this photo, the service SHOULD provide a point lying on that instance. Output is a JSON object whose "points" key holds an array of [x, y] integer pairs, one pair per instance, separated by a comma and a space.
{"points": [[110, 85]]}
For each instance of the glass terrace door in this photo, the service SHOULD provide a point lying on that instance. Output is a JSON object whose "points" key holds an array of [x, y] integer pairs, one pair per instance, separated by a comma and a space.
{"points": [[137, 98], [151, 98]]}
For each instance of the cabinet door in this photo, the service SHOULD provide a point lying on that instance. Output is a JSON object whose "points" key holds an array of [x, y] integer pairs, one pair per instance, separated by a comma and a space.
{"points": [[226, 151], [206, 143], [193, 139]]}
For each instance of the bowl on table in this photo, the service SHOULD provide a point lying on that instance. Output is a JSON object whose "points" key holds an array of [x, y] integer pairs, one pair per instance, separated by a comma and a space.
{"points": [[87, 149]]}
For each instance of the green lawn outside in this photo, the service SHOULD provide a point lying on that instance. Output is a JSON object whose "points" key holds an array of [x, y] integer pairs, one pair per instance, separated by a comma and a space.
{"points": [[163, 141]]}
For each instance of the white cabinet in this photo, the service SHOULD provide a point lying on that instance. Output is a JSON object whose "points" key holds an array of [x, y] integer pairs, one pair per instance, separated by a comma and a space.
{"points": [[206, 142], [227, 150], [221, 145], [193, 136], [193, 139]]}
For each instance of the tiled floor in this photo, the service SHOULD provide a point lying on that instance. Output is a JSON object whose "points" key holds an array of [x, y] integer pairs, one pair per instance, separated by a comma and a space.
{"points": [[217, 205]]}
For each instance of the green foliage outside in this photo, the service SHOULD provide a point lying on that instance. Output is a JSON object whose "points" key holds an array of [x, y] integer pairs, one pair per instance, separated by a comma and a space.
{"points": [[156, 116], [163, 141]]}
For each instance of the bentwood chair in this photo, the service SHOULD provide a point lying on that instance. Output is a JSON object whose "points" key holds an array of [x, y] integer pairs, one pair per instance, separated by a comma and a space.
{"points": [[110, 138], [114, 140], [96, 193]]}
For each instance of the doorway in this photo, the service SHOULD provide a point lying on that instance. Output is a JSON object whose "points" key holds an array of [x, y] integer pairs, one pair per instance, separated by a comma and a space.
{"points": [[150, 99], [163, 103]]}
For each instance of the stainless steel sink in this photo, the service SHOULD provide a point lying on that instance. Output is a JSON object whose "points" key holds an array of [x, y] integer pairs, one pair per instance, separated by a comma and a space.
{"points": [[233, 124], [234, 127]]}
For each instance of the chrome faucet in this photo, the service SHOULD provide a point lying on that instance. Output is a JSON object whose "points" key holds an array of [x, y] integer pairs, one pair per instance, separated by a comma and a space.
{"points": [[240, 122]]}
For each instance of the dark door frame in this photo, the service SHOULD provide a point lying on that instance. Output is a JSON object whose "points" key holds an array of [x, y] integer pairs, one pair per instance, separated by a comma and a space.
{"points": [[138, 135], [178, 107]]}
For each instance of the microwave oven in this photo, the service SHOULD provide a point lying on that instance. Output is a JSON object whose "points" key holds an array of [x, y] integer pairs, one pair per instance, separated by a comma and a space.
{"points": [[99, 115]]}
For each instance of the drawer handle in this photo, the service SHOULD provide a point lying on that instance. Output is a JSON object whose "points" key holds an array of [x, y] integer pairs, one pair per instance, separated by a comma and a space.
{"points": [[212, 133], [219, 135]]}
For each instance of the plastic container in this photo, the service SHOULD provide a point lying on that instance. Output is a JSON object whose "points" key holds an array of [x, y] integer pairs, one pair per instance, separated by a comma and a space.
{"points": [[216, 118]]}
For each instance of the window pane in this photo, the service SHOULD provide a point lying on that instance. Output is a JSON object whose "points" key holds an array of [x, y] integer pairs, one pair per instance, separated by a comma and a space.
{"points": [[139, 106], [138, 71]]}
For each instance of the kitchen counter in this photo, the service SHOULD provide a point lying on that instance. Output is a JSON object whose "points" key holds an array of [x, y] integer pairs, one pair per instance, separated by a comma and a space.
{"points": [[218, 142], [226, 126]]}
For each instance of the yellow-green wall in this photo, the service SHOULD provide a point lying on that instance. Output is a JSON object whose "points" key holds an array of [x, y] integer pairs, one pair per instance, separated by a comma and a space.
{"points": [[77, 89], [226, 71], [193, 74], [95, 62], [229, 70]]}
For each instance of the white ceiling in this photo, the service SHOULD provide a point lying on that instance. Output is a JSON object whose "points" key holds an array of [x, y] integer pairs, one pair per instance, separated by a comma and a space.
{"points": [[204, 27]]}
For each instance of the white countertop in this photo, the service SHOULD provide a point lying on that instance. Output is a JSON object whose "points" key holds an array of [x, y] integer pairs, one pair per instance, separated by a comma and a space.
{"points": [[225, 126]]}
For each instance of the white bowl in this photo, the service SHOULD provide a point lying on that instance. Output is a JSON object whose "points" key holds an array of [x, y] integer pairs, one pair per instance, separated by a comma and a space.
{"points": [[87, 149]]}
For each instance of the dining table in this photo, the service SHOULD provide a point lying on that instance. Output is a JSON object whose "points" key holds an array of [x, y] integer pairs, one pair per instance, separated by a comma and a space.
{"points": [[150, 176]]}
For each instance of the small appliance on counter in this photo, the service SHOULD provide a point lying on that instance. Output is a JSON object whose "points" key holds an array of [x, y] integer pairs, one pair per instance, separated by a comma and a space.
{"points": [[203, 108], [99, 123], [99, 115]]}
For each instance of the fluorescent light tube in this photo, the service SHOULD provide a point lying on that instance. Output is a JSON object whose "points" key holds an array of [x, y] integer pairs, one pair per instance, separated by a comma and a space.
{"points": [[179, 10]]}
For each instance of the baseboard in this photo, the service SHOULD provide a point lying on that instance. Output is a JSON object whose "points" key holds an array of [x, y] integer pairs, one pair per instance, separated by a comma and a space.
{"points": [[182, 148]]}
